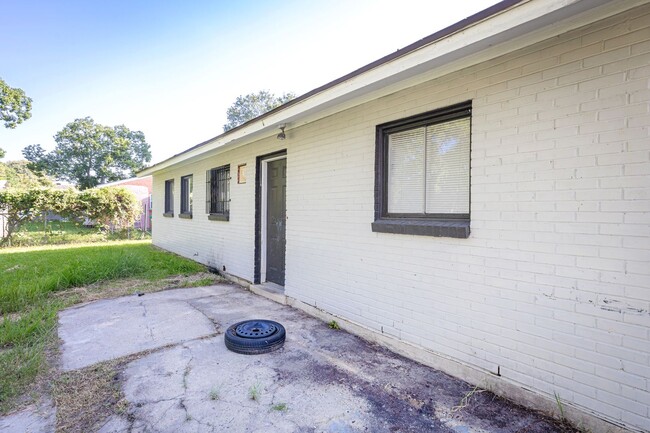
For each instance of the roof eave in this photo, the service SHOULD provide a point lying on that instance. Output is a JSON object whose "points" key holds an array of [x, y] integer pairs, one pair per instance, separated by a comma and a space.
{"points": [[499, 24]]}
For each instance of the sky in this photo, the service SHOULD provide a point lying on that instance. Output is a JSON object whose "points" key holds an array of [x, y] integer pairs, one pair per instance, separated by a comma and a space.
{"points": [[171, 68]]}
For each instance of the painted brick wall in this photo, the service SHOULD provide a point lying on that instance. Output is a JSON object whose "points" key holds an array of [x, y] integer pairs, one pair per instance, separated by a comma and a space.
{"points": [[214, 243], [553, 286]]}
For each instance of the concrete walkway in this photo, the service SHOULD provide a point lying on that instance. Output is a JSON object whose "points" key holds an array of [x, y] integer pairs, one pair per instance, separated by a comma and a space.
{"points": [[322, 380], [113, 328], [34, 419]]}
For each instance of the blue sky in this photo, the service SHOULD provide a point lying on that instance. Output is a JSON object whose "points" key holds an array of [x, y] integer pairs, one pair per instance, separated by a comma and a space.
{"points": [[172, 68]]}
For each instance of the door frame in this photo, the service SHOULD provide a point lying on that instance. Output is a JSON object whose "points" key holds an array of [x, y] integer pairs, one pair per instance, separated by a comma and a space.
{"points": [[261, 170]]}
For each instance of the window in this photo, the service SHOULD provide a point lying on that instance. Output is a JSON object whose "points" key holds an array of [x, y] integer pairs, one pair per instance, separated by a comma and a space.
{"points": [[218, 193], [169, 198], [422, 174], [186, 197]]}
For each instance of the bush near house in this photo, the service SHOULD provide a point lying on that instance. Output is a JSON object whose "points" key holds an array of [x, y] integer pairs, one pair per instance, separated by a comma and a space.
{"points": [[109, 207]]}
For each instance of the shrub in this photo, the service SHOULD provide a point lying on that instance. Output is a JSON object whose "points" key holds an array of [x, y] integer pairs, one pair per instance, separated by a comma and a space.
{"points": [[113, 207]]}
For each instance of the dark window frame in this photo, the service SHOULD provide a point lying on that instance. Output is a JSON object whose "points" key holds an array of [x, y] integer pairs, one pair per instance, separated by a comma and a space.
{"points": [[169, 198], [187, 187], [217, 202], [447, 225]]}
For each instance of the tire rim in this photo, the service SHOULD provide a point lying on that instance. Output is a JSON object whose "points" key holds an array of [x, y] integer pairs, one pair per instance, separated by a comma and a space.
{"points": [[255, 329]]}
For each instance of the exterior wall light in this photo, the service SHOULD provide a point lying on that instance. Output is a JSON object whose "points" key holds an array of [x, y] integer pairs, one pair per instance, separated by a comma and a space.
{"points": [[281, 135]]}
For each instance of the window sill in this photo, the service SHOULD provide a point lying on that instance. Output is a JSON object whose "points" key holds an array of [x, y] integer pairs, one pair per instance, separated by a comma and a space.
{"points": [[219, 217], [169, 214], [185, 215], [422, 227]]}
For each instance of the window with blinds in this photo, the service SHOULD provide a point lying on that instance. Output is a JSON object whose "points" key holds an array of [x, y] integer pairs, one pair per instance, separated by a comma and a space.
{"points": [[218, 193], [186, 195], [423, 173], [428, 169], [169, 197]]}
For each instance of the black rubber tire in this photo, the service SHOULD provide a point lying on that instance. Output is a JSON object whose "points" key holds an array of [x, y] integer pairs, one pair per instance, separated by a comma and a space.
{"points": [[255, 345]]}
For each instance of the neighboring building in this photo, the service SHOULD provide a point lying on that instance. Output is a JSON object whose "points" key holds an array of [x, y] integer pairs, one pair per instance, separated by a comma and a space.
{"points": [[478, 201], [142, 188]]}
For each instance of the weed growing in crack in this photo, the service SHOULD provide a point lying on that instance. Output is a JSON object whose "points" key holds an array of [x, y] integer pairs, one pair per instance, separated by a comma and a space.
{"points": [[215, 393], [254, 392], [280, 407], [122, 406], [560, 406], [334, 325], [464, 402], [564, 420]]}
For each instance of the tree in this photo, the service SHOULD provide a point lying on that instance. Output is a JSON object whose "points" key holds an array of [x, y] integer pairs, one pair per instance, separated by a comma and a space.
{"points": [[90, 154], [19, 175], [252, 105], [15, 106]]}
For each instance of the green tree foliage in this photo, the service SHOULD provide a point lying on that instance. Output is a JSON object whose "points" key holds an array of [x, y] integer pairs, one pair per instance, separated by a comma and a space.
{"points": [[90, 154], [250, 106], [108, 207], [19, 175], [15, 106], [36, 156], [2, 153]]}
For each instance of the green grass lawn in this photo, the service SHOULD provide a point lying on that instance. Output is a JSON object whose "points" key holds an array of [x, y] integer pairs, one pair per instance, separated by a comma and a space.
{"points": [[35, 283], [68, 232]]}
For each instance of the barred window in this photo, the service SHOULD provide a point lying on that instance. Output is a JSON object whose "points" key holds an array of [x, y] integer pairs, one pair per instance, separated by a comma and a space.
{"points": [[186, 196], [169, 198], [217, 193]]}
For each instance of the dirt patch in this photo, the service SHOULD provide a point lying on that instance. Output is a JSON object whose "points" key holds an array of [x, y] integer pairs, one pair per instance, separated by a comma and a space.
{"points": [[85, 397], [390, 404], [130, 286], [405, 396]]}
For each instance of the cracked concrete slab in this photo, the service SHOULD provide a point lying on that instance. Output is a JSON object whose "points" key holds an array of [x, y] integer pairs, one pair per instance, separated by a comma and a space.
{"points": [[322, 380], [208, 389], [109, 329], [33, 419]]}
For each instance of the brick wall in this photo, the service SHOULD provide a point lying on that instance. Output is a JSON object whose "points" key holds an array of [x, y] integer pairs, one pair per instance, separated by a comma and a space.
{"points": [[551, 289]]}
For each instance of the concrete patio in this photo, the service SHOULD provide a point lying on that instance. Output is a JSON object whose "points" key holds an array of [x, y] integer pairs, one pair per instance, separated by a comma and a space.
{"points": [[322, 380]]}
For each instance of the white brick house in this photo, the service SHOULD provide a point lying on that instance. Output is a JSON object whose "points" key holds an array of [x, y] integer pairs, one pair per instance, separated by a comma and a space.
{"points": [[513, 252]]}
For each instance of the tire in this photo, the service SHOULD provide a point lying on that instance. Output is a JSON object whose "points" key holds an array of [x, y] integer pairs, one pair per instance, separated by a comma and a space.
{"points": [[254, 337]]}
